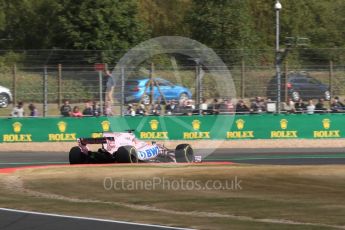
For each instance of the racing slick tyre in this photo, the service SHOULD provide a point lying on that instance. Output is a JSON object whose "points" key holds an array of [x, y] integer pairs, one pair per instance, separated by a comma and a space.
{"points": [[184, 153], [127, 154], [76, 156]]}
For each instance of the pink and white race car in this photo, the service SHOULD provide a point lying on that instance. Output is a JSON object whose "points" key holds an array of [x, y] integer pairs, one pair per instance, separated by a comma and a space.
{"points": [[126, 148]]}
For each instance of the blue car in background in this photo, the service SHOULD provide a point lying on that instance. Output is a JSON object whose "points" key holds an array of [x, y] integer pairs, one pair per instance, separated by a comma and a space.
{"points": [[134, 90]]}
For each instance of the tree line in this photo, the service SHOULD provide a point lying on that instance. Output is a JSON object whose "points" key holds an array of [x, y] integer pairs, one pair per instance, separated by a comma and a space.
{"points": [[121, 24]]}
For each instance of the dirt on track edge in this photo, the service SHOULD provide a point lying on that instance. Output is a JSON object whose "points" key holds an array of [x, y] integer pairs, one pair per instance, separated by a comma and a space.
{"points": [[197, 144]]}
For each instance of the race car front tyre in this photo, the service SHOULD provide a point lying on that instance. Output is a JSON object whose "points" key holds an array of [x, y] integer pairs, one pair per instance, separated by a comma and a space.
{"points": [[76, 156], [126, 154], [184, 153]]}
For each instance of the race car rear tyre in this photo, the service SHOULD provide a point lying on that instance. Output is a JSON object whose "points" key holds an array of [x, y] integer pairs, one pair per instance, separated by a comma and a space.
{"points": [[126, 154], [76, 156], [184, 153]]}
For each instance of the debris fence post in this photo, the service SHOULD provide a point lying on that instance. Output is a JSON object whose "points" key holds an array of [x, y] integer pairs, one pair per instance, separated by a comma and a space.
{"points": [[45, 91], [330, 80], [59, 88], [14, 83]]}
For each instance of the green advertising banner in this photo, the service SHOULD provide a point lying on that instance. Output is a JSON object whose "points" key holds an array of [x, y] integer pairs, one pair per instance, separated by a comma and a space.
{"points": [[221, 127]]}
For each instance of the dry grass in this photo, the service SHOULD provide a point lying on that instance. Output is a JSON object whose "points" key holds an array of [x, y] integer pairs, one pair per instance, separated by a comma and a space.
{"points": [[271, 197], [299, 143]]}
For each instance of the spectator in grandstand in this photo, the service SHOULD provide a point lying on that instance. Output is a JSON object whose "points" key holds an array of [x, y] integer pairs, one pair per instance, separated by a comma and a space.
{"points": [[258, 105], [156, 109], [88, 110], [171, 107], [130, 110], [33, 110], [182, 102], [96, 109], [108, 86], [141, 110], [227, 106], [290, 106], [18, 111], [300, 107], [336, 98], [76, 112], [215, 106], [241, 107], [310, 107], [204, 107], [320, 106], [336, 106], [108, 109], [66, 109], [188, 107]]}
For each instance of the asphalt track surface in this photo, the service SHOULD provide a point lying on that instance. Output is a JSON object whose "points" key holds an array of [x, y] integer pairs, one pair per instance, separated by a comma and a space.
{"points": [[21, 220], [278, 156], [15, 220]]}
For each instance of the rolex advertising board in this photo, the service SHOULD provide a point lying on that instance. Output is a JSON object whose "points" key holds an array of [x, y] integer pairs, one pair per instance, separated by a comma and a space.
{"points": [[221, 127]]}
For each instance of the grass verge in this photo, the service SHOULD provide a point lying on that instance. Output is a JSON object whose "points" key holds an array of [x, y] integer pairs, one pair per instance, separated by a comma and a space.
{"points": [[203, 197]]}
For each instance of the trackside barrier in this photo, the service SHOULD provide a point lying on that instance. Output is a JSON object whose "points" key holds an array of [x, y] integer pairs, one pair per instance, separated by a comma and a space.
{"points": [[221, 127]]}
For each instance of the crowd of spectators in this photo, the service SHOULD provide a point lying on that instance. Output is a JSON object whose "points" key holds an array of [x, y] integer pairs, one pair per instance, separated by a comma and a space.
{"points": [[183, 107], [91, 108], [257, 105], [310, 107], [216, 106], [18, 110]]}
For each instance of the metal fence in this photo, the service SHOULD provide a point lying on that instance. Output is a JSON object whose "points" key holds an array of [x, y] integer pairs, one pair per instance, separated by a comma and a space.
{"points": [[46, 78]]}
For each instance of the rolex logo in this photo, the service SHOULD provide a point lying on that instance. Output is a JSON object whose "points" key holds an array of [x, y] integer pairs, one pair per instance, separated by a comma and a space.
{"points": [[154, 124], [105, 126], [196, 124], [17, 126], [240, 124], [326, 123], [62, 126], [283, 123]]}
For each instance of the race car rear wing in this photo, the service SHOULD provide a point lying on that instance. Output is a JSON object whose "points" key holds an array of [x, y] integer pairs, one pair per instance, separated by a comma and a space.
{"points": [[97, 140]]}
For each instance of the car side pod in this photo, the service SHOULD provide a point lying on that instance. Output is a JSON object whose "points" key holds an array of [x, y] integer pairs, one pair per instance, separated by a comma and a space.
{"points": [[184, 153]]}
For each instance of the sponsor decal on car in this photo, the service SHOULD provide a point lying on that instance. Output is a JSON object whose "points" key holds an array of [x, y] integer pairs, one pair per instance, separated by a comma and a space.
{"points": [[148, 153]]}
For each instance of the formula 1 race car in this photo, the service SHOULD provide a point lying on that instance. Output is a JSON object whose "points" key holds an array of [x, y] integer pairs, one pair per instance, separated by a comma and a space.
{"points": [[126, 148]]}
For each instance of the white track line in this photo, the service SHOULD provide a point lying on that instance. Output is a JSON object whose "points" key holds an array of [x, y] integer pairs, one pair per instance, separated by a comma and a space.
{"points": [[89, 218]]}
